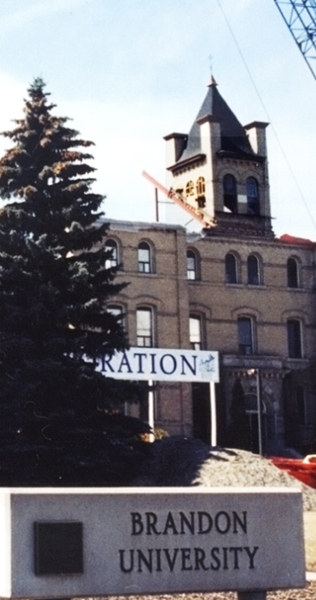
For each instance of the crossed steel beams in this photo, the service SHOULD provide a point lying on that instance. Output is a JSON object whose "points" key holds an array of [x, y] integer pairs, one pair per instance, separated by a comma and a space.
{"points": [[300, 17]]}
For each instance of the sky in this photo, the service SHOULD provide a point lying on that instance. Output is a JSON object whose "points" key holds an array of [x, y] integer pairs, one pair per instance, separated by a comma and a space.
{"points": [[129, 72]]}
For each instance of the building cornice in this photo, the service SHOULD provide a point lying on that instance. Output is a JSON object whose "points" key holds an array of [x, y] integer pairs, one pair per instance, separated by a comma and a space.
{"points": [[197, 158]]}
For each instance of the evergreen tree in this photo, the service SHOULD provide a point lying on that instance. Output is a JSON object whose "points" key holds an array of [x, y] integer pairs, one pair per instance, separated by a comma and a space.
{"points": [[55, 408]]}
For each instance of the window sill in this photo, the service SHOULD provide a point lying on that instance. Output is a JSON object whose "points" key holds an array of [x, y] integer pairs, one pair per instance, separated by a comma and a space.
{"points": [[256, 286], [298, 360], [143, 274]]}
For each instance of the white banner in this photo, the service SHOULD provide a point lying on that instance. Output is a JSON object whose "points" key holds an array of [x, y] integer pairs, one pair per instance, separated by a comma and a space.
{"points": [[161, 364]]}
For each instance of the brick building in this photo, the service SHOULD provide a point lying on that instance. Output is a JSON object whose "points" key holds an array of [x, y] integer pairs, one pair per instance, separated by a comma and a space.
{"points": [[232, 287]]}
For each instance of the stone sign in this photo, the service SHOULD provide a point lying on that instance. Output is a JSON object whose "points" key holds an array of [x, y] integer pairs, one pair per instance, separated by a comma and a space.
{"points": [[92, 542]]}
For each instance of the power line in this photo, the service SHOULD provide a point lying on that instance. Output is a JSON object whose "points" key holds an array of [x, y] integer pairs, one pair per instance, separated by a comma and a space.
{"points": [[266, 113]]}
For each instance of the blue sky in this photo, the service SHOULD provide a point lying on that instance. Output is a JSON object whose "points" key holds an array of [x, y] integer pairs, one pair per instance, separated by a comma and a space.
{"points": [[129, 72]]}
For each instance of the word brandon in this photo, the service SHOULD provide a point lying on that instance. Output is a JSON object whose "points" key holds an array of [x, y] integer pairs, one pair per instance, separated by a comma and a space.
{"points": [[161, 365], [192, 557]]}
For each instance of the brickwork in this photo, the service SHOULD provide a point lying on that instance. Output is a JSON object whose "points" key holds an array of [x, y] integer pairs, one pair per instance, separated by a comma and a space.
{"points": [[173, 298]]}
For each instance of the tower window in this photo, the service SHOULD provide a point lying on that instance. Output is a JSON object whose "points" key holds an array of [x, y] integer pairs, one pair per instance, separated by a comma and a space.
{"points": [[200, 192], [245, 336], [200, 186], [253, 270], [230, 268], [294, 338], [292, 273], [189, 189], [253, 206], [112, 260], [144, 258], [144, 326], [230, 193]]}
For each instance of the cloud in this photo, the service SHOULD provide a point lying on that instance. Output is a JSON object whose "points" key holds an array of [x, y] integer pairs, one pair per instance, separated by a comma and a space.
{"points": [[17, 18]]}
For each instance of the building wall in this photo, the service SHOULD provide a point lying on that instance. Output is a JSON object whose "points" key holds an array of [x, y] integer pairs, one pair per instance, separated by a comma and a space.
{"points": [[173, 297], [165, 291]]}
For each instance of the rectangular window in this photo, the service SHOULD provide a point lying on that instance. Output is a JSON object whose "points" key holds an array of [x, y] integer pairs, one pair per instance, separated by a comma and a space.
{"points": [[144, 327], [112, 261], [294, 338], [195, 333], [301, 406], [191, 265], [245, 336]]}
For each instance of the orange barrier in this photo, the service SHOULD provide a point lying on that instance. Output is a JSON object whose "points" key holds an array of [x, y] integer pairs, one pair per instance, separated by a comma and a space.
{"points": [[303, 469]]}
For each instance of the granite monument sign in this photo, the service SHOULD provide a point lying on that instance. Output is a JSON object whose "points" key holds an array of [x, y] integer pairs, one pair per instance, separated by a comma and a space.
{"points": [[92, 542]]}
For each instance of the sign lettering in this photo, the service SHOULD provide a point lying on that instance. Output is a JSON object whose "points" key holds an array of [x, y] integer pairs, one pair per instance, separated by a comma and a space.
{"points": [[160, 364], [192, 558]]}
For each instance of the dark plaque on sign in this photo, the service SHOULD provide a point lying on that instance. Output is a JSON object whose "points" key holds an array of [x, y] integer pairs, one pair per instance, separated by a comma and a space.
{"points": [[58, 548]]}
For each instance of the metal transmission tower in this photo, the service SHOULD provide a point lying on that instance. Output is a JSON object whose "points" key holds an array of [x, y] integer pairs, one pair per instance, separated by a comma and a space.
{"points": [[300, 17]]}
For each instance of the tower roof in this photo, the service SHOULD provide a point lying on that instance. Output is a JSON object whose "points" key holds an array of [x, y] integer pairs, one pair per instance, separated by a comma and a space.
{"points": [[234, 138]]}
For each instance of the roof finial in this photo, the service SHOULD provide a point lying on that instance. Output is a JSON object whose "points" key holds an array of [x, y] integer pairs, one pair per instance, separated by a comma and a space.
{"points": [[212, 80], [211, 64]]}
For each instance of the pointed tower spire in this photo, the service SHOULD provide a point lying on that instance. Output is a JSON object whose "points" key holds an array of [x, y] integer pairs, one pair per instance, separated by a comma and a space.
{"points": [[213, 82]]}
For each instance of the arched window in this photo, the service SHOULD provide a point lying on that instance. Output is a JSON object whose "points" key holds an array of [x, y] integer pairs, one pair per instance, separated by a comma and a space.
{"points": [[189, 189], [230, 268], [117, 311], [191, 265], [294, 338], [252, 188], [200, 192], [230, 193], [144, 258], [144, 326], [253, 270], [292, 273], [245, 336], [200, 186], [113, 258]]}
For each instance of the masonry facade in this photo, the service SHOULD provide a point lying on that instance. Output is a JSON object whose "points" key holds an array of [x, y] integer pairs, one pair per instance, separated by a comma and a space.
{"points": [[232, 287]]}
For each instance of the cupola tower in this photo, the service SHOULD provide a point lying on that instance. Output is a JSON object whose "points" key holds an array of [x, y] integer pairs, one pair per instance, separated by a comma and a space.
{"points": [[220, 169]]}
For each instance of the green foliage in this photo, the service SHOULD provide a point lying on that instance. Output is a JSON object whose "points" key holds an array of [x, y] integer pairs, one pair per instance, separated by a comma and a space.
{"points": [[53, 291], [160, 434]]}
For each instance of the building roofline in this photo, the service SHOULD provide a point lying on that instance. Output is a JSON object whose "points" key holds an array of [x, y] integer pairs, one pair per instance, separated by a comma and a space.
{"points": [[171, 136], [139, 225], [187, 161], [258, 124], [296, 241]]}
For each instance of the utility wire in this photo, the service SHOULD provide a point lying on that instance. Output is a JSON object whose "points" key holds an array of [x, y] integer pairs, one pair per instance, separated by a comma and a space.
{"points": [[266, 113]]}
